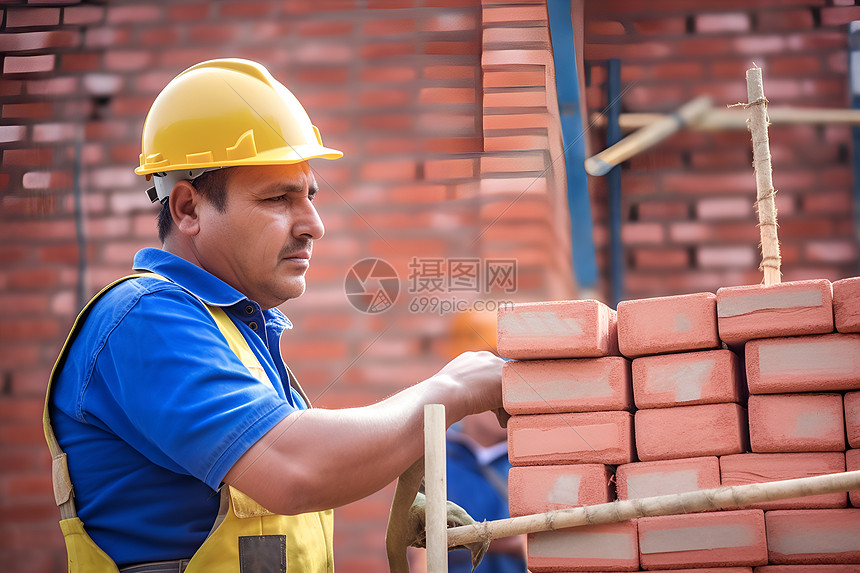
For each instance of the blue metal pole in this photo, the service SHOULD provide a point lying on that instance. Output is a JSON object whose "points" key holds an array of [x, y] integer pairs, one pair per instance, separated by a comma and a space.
{"points": [[613, 182], [567, 89], [854, 75]]}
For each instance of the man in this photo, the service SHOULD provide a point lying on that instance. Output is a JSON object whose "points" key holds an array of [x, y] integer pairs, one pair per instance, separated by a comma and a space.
{"points": [[171, 387]]}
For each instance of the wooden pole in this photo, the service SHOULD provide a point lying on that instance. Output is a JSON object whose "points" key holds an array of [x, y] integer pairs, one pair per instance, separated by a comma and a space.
{"points": [[765, 192], [691, 501], [720, 119], [435, 488], [646, 137]]}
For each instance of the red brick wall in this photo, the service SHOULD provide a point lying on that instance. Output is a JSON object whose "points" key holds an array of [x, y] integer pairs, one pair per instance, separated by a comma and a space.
{"points": [[446, 111], [688, 215]]}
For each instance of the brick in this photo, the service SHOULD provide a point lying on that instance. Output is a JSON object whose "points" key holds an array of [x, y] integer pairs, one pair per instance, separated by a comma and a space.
{"points": [[725, 257], [46, 180], [713, 539], [518, 99], [809, 536], [826, 362], [796, 423], [386, 50], [834, 251], [513, 186], [16, 18], [667, 324], [722, 23], [9, 133], [83, 14], [393, 170], [522, 79], [660, 210], [510, 58], [660, 26], [449, 169], [724, 208], [133, 14], [28, 64], [707, 570], [448, 96], [452, 145], [521, 162], [538, 489], [128, 60], [449, 72], [574, 385], [691, 431], [846, 304], [741, 469], [785, 20], [451, 48], [451, 22], [515, 142], [557, 329], [638, 233], [852, 464], [37, 40], [851, 403], [612, 547], [498, 15], [246, 9], [52, 86], [646, 479], [838, 16], [384, 98], [388, 74], [686, 379], [581, 438]]}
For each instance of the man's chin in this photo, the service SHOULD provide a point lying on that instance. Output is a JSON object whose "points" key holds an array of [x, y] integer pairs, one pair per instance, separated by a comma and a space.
{"points": [[294, 289]]}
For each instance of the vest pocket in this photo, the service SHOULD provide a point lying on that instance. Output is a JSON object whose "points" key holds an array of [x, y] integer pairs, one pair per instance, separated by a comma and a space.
{"points": [[263, 554]]}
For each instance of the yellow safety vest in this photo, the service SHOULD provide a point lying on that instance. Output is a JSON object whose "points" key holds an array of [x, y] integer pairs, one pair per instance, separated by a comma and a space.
{"points": [[244, 533]]}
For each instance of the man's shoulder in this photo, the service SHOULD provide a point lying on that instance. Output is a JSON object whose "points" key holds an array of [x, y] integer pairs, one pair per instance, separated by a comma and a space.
{"points": [[139, 296]]}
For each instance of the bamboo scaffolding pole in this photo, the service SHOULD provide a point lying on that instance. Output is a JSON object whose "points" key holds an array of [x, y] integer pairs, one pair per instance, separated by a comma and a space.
{"points": [[765, 192], [720, 119], [674, 504], [435, 488], [639, 141]]}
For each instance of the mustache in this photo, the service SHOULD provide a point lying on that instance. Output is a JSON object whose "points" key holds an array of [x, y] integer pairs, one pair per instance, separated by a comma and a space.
{"points": [[297, 247]]}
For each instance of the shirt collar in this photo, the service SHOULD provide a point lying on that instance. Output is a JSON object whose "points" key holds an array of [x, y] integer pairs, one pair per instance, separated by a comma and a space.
{"points": [[205, 286], [202, 284]]}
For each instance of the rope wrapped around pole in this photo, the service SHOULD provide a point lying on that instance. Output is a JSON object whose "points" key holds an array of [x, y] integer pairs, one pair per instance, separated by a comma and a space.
{"points": [[765, 203]]}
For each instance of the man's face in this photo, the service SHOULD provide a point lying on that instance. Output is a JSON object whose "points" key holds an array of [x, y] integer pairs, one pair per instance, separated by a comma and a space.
{"points": [[261, 243]]}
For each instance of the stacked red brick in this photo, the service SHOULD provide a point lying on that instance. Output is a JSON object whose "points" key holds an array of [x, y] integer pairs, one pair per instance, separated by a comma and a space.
{"points": [[681, 363], [570, 395], [803, 379]]}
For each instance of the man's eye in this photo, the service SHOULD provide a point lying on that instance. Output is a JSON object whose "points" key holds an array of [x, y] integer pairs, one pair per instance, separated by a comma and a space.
{"points": [[278, 198]]}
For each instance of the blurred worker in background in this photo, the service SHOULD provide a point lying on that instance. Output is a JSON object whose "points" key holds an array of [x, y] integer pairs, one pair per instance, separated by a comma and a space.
{"points": [[171, 387], [477, 462]]}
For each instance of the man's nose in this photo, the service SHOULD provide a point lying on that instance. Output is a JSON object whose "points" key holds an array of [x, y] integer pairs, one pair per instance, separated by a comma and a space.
{"points": [[309, 223]]}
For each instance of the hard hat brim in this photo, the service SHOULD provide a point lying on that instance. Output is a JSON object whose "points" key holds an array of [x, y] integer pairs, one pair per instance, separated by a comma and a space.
{"points": [[282, 156]]}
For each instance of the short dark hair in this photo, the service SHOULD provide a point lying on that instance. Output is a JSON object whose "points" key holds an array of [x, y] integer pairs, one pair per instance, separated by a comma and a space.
{"points": [[212, 185]]}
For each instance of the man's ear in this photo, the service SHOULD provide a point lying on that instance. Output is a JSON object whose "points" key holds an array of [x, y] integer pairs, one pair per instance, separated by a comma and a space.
{"points": [[184, 204]]}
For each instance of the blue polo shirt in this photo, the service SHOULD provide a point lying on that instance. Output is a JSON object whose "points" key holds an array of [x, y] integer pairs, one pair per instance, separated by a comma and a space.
{"points": [[153, 408]]}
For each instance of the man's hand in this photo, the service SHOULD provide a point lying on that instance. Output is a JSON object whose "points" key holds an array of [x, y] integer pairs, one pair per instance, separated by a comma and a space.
{"points": [[477, 377]]}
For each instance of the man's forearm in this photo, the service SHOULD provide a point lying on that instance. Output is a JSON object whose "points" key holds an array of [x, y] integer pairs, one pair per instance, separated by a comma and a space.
{"points": [[319, 459]]}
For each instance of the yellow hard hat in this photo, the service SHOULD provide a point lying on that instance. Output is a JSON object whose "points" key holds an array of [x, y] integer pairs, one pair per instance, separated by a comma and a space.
{"points": [[224, 113]]}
